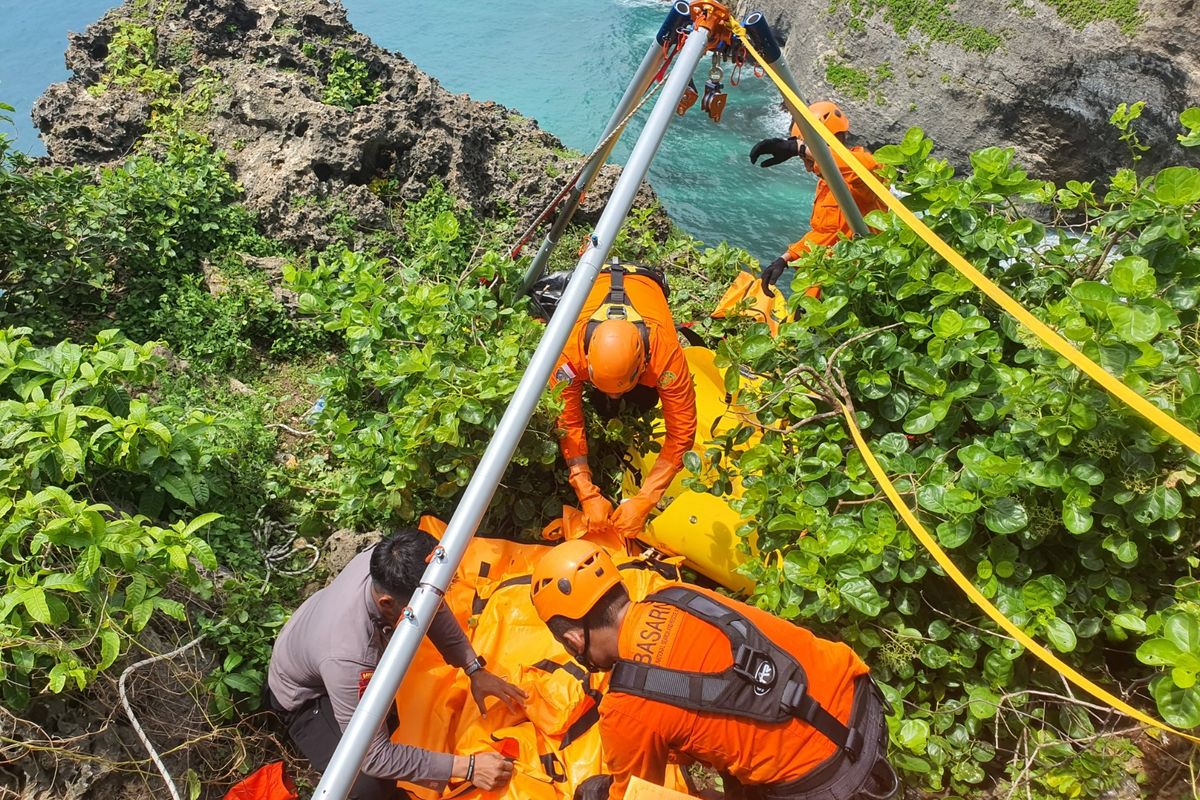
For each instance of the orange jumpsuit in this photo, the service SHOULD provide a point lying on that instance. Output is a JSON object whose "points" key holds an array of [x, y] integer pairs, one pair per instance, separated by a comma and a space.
{"points": [[640, 734], [828, 224], [667, 372]]}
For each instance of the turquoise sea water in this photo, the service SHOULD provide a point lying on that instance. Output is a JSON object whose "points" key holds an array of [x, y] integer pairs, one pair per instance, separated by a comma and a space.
{"points": [[563, 62]]}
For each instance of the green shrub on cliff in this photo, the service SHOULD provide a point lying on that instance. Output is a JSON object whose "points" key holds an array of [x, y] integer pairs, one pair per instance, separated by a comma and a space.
{"points": [[349, 83], [1075, 516], [98, 496]]}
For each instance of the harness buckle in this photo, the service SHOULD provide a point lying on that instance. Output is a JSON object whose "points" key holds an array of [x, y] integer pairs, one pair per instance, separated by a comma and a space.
{"points": [[795, 701], [755, 666], [854, 744]]}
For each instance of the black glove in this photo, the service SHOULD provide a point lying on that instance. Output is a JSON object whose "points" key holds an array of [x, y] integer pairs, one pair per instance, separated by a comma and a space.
{"points": [[780, 151], [771, 275]]}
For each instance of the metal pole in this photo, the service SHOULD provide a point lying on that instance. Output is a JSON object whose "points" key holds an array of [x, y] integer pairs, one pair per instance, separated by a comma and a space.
{"points": [[380, 694], [637, 87], [679, 14], [765, 42]]}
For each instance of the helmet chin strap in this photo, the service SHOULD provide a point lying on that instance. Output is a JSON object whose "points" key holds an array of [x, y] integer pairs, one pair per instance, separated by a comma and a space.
{"points": [[583, 658]]}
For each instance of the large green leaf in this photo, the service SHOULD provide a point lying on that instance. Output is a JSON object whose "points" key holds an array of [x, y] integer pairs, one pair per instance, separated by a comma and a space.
{"points": [[1178, 186], [923, 380], [1078, 520], [34, 600], [1133, 277], [1045, 592], [1061, 635], [110, 648], [948, 324], [1179, 707], [861, 594], [1130, 622], [913, 735], [1158, 653], [757, 346], [1005, 515], [1132, 324], [1183, 630]]}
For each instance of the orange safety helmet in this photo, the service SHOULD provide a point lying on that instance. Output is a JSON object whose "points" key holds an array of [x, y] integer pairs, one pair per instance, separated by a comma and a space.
{"points": [[569, 580], [616, 356], [830, 115]]}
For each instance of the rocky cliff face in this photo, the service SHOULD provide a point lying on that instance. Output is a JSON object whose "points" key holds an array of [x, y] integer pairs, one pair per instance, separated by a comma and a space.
{"points": [[1012, 73], [301, 159]]}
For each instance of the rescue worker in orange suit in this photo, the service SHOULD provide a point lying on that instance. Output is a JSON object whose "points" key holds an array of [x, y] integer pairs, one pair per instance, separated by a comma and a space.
{"points": [[625, 349], [828, 223], [781, 713]]}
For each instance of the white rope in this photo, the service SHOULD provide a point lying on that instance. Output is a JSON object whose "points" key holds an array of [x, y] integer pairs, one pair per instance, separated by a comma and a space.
{"points": [[573, 181], [137, 726], [267, 530]]}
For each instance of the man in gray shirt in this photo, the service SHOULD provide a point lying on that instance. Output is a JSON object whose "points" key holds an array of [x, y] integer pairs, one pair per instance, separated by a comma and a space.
{"points": [[328, 650]]}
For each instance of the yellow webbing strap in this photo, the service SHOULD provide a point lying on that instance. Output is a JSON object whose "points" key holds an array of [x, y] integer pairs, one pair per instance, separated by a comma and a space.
{"points": [[1141, 405], [977, 597]]}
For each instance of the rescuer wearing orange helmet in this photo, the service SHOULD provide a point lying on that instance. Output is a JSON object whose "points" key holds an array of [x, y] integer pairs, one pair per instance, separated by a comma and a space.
{"points": [[625, 346], [782, 714], [828, 223]]}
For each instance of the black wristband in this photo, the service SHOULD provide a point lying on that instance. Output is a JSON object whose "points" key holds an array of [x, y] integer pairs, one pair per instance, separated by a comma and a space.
{"points": [[470, 767]]}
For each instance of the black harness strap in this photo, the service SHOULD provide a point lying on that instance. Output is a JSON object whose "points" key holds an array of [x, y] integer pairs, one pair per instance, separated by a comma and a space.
{"points": [[616, 304], [553, 767], [589, 717], [764, 683], [477, 602]]}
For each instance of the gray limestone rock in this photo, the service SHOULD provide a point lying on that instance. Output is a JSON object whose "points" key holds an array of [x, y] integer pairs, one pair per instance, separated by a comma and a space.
{"points": [[301, 161], [1047, 90]]}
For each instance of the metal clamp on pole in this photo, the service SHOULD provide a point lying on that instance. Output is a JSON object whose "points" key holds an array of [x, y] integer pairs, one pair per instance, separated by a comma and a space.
{"points": [[652, 62], [763, 39], [343, 767]]}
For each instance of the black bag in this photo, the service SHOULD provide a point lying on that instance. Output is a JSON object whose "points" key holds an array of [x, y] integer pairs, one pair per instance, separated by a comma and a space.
{"points": [[546, 293]]}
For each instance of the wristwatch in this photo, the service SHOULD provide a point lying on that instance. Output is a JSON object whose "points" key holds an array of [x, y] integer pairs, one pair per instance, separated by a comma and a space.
{"points": [[475, 666]]}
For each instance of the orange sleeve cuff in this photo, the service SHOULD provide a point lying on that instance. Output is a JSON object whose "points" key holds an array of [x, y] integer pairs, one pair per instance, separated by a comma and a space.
{"points": [[678, 400], [572, 433]]}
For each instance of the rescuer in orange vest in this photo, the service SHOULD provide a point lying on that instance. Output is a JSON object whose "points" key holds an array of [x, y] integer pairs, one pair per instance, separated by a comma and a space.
{"points": [[828, 223], [624, 345], [782, 714]]}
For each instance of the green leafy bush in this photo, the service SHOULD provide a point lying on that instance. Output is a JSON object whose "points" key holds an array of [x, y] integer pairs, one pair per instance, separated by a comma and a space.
{"points": [[348, 83], [81, 574], [82, 247], [431, 359], [1075, 517], [226, 330], [130, 62]]}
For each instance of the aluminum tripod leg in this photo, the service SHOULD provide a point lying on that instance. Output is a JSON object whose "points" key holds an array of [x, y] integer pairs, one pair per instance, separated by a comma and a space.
{"points": [[410, 629], [756, 25], [650, 65]]}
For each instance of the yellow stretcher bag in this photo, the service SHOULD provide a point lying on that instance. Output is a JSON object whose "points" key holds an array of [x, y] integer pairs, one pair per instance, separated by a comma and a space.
{"points": [[747, 298], [700, 527]]}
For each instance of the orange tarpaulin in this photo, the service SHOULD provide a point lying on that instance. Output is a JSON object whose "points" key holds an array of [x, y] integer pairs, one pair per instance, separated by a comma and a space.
{"points": [[265, 783], [641, 790], [556, 738]]}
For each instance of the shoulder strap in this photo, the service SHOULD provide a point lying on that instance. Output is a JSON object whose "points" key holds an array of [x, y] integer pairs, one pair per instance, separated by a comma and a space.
{"points": [[616, 305], [765, 683]]}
